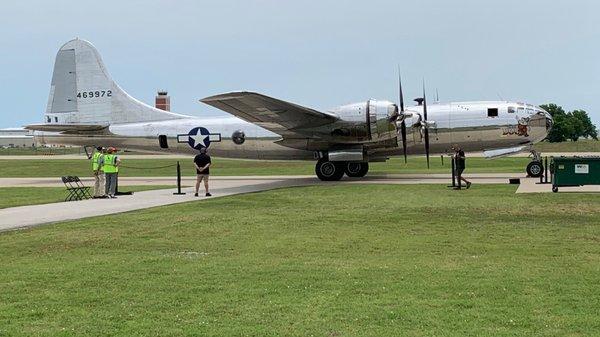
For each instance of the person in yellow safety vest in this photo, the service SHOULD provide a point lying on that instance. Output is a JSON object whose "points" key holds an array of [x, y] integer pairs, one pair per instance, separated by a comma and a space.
{"points": [[98, 169], [111, 168]]}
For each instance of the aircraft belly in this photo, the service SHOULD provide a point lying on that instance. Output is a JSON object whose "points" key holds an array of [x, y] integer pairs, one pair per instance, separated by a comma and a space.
{"points": [[252, 148]]}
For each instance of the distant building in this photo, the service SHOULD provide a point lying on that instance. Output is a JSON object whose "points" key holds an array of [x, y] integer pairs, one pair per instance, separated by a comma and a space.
{"points": [[163, 101], [16, 137]]}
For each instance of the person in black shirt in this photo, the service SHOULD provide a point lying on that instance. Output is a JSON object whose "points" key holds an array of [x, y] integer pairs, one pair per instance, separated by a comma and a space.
{"points": [[202, 163], [460, 157]]}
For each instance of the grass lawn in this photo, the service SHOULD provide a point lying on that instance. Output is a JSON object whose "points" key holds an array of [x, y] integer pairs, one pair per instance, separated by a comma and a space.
{"points": [[20, 196], [345, 260], [229, 167], [42, 151], [582, 145]]}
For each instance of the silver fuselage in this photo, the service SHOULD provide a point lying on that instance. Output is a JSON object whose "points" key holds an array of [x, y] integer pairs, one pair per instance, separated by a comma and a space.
{"points": [[464, 123]]}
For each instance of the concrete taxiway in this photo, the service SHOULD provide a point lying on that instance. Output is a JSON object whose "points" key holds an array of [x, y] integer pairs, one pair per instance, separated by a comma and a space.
{"points": [[436, 178], [27, 216]]}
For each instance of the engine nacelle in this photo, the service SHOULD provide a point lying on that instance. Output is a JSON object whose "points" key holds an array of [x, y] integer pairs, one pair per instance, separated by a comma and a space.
{"points": [[367, 121]]}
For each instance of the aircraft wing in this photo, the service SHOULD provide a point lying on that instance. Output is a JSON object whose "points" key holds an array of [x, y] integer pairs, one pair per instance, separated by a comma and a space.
{"points": [[66, 128], [281, 117]]}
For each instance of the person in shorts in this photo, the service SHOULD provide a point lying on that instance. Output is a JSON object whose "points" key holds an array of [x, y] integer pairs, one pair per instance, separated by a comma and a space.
{"points": [[202, 163]]}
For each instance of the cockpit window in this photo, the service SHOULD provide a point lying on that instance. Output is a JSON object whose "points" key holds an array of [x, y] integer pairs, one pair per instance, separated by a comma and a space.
{"points": [[521, 110], [511, 110]]}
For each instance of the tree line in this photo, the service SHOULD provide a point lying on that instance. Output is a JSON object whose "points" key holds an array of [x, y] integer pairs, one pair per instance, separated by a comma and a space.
{"points": [[570, 125]]}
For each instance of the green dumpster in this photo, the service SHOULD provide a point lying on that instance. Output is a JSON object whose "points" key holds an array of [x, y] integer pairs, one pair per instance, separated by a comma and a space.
{"points": [[574, 171]]}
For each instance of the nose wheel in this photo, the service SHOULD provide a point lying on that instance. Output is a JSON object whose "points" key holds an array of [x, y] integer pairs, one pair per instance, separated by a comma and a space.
{"points": [[535, 169]]}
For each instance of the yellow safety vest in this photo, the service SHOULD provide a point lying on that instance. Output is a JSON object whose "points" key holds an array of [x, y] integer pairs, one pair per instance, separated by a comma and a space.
{"points": [[96, 161], [110, 163]]}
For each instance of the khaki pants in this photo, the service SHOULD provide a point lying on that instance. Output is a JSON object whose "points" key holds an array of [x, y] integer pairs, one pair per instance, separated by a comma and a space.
{"points": [[99, 184]]}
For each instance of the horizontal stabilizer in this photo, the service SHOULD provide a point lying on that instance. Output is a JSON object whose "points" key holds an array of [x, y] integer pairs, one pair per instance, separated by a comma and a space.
{"points": [[67, 128], [490, 154]]}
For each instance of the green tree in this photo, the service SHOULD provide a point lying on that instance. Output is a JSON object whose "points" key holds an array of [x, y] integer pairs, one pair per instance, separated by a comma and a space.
{"points": [[571, 125], [588, 129]]}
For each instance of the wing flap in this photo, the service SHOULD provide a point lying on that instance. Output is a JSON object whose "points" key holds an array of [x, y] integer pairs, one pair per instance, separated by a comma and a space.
{"points": [[270, 113], [67, 128], [491, 154]]}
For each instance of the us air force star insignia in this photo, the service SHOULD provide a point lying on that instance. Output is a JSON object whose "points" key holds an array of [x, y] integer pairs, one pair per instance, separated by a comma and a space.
{"points": [[199, 137]]}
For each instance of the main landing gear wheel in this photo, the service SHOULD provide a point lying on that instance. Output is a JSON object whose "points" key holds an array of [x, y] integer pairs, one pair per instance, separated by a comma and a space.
{"points": [[356, 169], [328, 170], [535, 169]]}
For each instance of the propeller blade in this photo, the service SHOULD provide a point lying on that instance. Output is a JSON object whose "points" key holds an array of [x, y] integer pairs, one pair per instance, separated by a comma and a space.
{"points": [[403, 124], [400, 91], [426, 131], [403, 133]]}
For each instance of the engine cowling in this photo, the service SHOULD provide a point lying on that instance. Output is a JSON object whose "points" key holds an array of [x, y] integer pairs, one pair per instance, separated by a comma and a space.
{"points": [[380, 127], [367, 121]]}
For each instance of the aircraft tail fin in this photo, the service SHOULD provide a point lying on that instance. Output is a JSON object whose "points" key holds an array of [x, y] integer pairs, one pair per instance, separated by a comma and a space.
{"points": [[83, 93]]}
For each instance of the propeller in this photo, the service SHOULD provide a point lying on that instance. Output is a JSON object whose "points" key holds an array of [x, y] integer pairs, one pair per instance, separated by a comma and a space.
{"points": [[399, 113], [426, 128], [403, 123]]}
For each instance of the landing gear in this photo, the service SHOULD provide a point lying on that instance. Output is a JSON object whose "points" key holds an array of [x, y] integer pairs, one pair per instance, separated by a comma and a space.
{"points": [[334, 170], [328, 170], [356, 169], [535, 168]]}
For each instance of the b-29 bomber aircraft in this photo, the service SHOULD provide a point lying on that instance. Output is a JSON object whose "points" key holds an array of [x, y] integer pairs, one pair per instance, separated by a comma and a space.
{"points": [[87, 108]]}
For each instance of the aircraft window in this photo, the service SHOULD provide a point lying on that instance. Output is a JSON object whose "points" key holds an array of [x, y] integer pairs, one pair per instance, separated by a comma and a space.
{"points": [[48, 119], [162, 141], [55, 119], [520, 110], [493, 112], [511, 110]]}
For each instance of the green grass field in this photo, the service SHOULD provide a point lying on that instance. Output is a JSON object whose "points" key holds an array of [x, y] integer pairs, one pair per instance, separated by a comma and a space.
{"points": [[336, 260], [20, 196], [229, 167], [40, 151], [583, 145]]}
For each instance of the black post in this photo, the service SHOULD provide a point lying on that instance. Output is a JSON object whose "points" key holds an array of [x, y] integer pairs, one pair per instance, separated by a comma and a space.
{"points": [[546, 169], [541, 175], [458, 181], [178, 180], [442, 157], [453, 173]]}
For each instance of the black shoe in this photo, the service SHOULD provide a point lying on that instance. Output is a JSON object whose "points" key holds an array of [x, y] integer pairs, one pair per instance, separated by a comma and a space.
{"points": [[113, 197], [468, 185], [208, 195], [195, 194]]}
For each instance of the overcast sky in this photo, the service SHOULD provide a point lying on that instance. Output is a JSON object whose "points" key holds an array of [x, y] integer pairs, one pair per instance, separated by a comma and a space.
{"points": [[315, 53]]}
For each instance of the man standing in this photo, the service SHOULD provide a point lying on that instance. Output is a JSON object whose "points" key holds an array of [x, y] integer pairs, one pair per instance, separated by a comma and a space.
{"points": [[202, 163], [98, 169], [111, 163], [460, 158]]}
